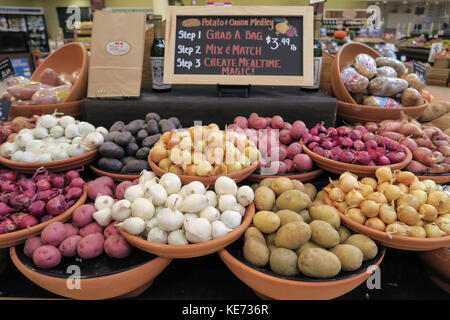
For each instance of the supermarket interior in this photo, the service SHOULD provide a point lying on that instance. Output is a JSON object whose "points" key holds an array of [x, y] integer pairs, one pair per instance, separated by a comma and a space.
{"points": [[268, 149]]}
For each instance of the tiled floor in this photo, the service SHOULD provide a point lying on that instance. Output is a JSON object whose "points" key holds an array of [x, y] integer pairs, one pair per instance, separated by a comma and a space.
{"points": [[440, 91]]}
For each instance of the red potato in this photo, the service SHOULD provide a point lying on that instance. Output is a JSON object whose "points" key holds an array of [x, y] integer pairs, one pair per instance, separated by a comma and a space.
{"points": [[117, 247], [31, 245], [106, 180], [282, 152], [68, 247], [241, 122], [298, 129], [71, 230], [46, 257], [91, 246], [92, 227], [53, 234], [110, 230], [287, 126], [120, 190], [50, 77], [96, 188], [289, 165], [293, 150], [302, 162], [285, 137], [277, 122], [259, 123], [82, 215]]}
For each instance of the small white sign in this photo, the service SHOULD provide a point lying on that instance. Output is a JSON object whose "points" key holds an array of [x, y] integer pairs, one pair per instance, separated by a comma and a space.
{"points": [[118, 48], [435, 48], [316, 1]]}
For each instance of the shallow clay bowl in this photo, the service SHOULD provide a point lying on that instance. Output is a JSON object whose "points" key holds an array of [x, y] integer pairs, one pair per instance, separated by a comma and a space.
{"points": [[358, 113], [441, 179], [54, 166], [392, 241], [68, 58], [18, 237], [360, 170], [269, 285], [192, 250], [302, 176], [72, 108], [115, 176], [438, 260], [100, 278], [237, 176], [346, 55]]}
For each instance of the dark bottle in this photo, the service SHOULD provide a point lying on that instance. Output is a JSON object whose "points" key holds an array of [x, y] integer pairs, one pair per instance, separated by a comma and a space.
{"points": [[157, 56], [317, 47]]}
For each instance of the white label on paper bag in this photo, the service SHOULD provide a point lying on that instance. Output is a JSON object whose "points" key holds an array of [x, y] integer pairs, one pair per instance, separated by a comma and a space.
{"points": [[118, 48]]}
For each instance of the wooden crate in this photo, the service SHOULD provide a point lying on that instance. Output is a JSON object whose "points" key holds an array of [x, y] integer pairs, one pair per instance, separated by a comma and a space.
{"points": [[325, 74], [441, 62]]}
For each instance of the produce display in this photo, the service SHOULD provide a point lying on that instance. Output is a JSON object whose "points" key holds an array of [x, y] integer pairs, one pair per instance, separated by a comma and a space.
{"points": [[293, 235], [167, 212], [395, 202], [277, 140], [204, 151], [28, 201], [382, 82], [53, 138], [126, 146], [357, 145], [437, 114], [9, 129], [52, 88]]}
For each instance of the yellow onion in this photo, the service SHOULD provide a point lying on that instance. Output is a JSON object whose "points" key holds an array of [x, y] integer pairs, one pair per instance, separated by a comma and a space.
{"points": [[433, 230], [408, 200], [384, 174], [347, 173], [440, 200], [403, 187], [375, 223], [430, 185], [405, 177], [443, 224], [398, 229], [370, 208], [420, 195], [390, 191], [408, 215], [341, 206], [336, 194], [356, 215], [417, 185], [417, 232], [387, 213], [365, 189], [378, 197], [370, 181], [354, 198], [420, 223], [205, 169], [348, 183]]}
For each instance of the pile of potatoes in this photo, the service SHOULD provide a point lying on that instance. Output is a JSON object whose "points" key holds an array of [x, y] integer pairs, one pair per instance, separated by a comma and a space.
{"points": [[293, 234]]}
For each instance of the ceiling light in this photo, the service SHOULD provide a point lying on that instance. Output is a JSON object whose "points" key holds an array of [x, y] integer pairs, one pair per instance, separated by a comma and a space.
{"points": [[405, 2]]}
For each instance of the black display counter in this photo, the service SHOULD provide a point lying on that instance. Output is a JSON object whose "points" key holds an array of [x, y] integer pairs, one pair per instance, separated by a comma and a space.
{"points": [[191, 103]]}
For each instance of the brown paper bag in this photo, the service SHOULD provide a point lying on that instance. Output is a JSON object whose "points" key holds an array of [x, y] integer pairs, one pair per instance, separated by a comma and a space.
{"points": [[117, 53]]}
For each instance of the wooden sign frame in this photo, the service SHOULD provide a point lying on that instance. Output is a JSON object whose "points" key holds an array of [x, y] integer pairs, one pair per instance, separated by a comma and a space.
{"points": [[307, 79]]}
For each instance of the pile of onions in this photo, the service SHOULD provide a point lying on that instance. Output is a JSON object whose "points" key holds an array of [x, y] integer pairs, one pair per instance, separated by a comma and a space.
{"points": [[430, 145], [28, 201], [357, 145]]}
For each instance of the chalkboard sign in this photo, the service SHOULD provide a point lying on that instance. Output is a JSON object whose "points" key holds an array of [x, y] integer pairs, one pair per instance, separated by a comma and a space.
{"points": [[239, 45], [420, 70], [5, 108]]}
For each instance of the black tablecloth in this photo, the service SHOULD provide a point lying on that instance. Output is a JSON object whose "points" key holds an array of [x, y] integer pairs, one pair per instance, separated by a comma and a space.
{"points": [[191, 103]]}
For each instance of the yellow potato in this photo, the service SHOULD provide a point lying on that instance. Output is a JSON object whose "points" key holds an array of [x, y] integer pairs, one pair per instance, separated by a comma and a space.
{"points": [[282, 184], [324, 234], [306, 246], [365, 244], [264, 198], [266, 182], [344, 234], [287, 216], [305, 216], [292, 235], [294, 200], [298, 185], [270, 238], [319, 263], [311, 190], [283, 262], [256, 252], [351, 257], [266, 221], [253, 232], [326, 213]]}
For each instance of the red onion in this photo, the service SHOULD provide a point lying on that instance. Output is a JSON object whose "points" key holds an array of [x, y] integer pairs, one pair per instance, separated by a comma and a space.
{"points": [[371, 126], [327, 145], [74, 193], [316, 139], [47, 194], [30, 193], [77, 183], [327, 153], [347, 142], [28, 221], [447, 160], [372, 164], [439, 143], [43, 185], [319, 151], [343, 131], [362, 157], [409, 143], [337, 150], [416, 167], [9, 187], [314, 131], [19, 201], [57, 181], [384, 141], [430, 132], [322, 136], [426, 156], [410, 129], [56, 205], [371, 144], [361, 129], [334, 156], [368, 136], [307, 138], [396, 157], [71, 175], [332, 132], [7, 174], [46, 218], [373, 154], [425, 142], [358, 145], [436, 169], [445, 150], [5, 210], [393, 135], [7, 225], [438, 156], [383, 161], [355, 135], [312, 145], [347, 157], [37, 208], [381, 151], [321, 128], [26, 184], [389, 125]]}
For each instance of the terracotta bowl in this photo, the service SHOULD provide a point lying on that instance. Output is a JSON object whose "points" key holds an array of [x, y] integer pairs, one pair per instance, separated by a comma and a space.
{"points": [[345, 55], [392, 241], [438, 260], [441, 179], [68, 58], [360, 170], [191, 250], [303, 176], [100, 278], [72, 108], [115, 176], [18, 237], [357, 113], [269, 285], [237, 176], [54, 166]]}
